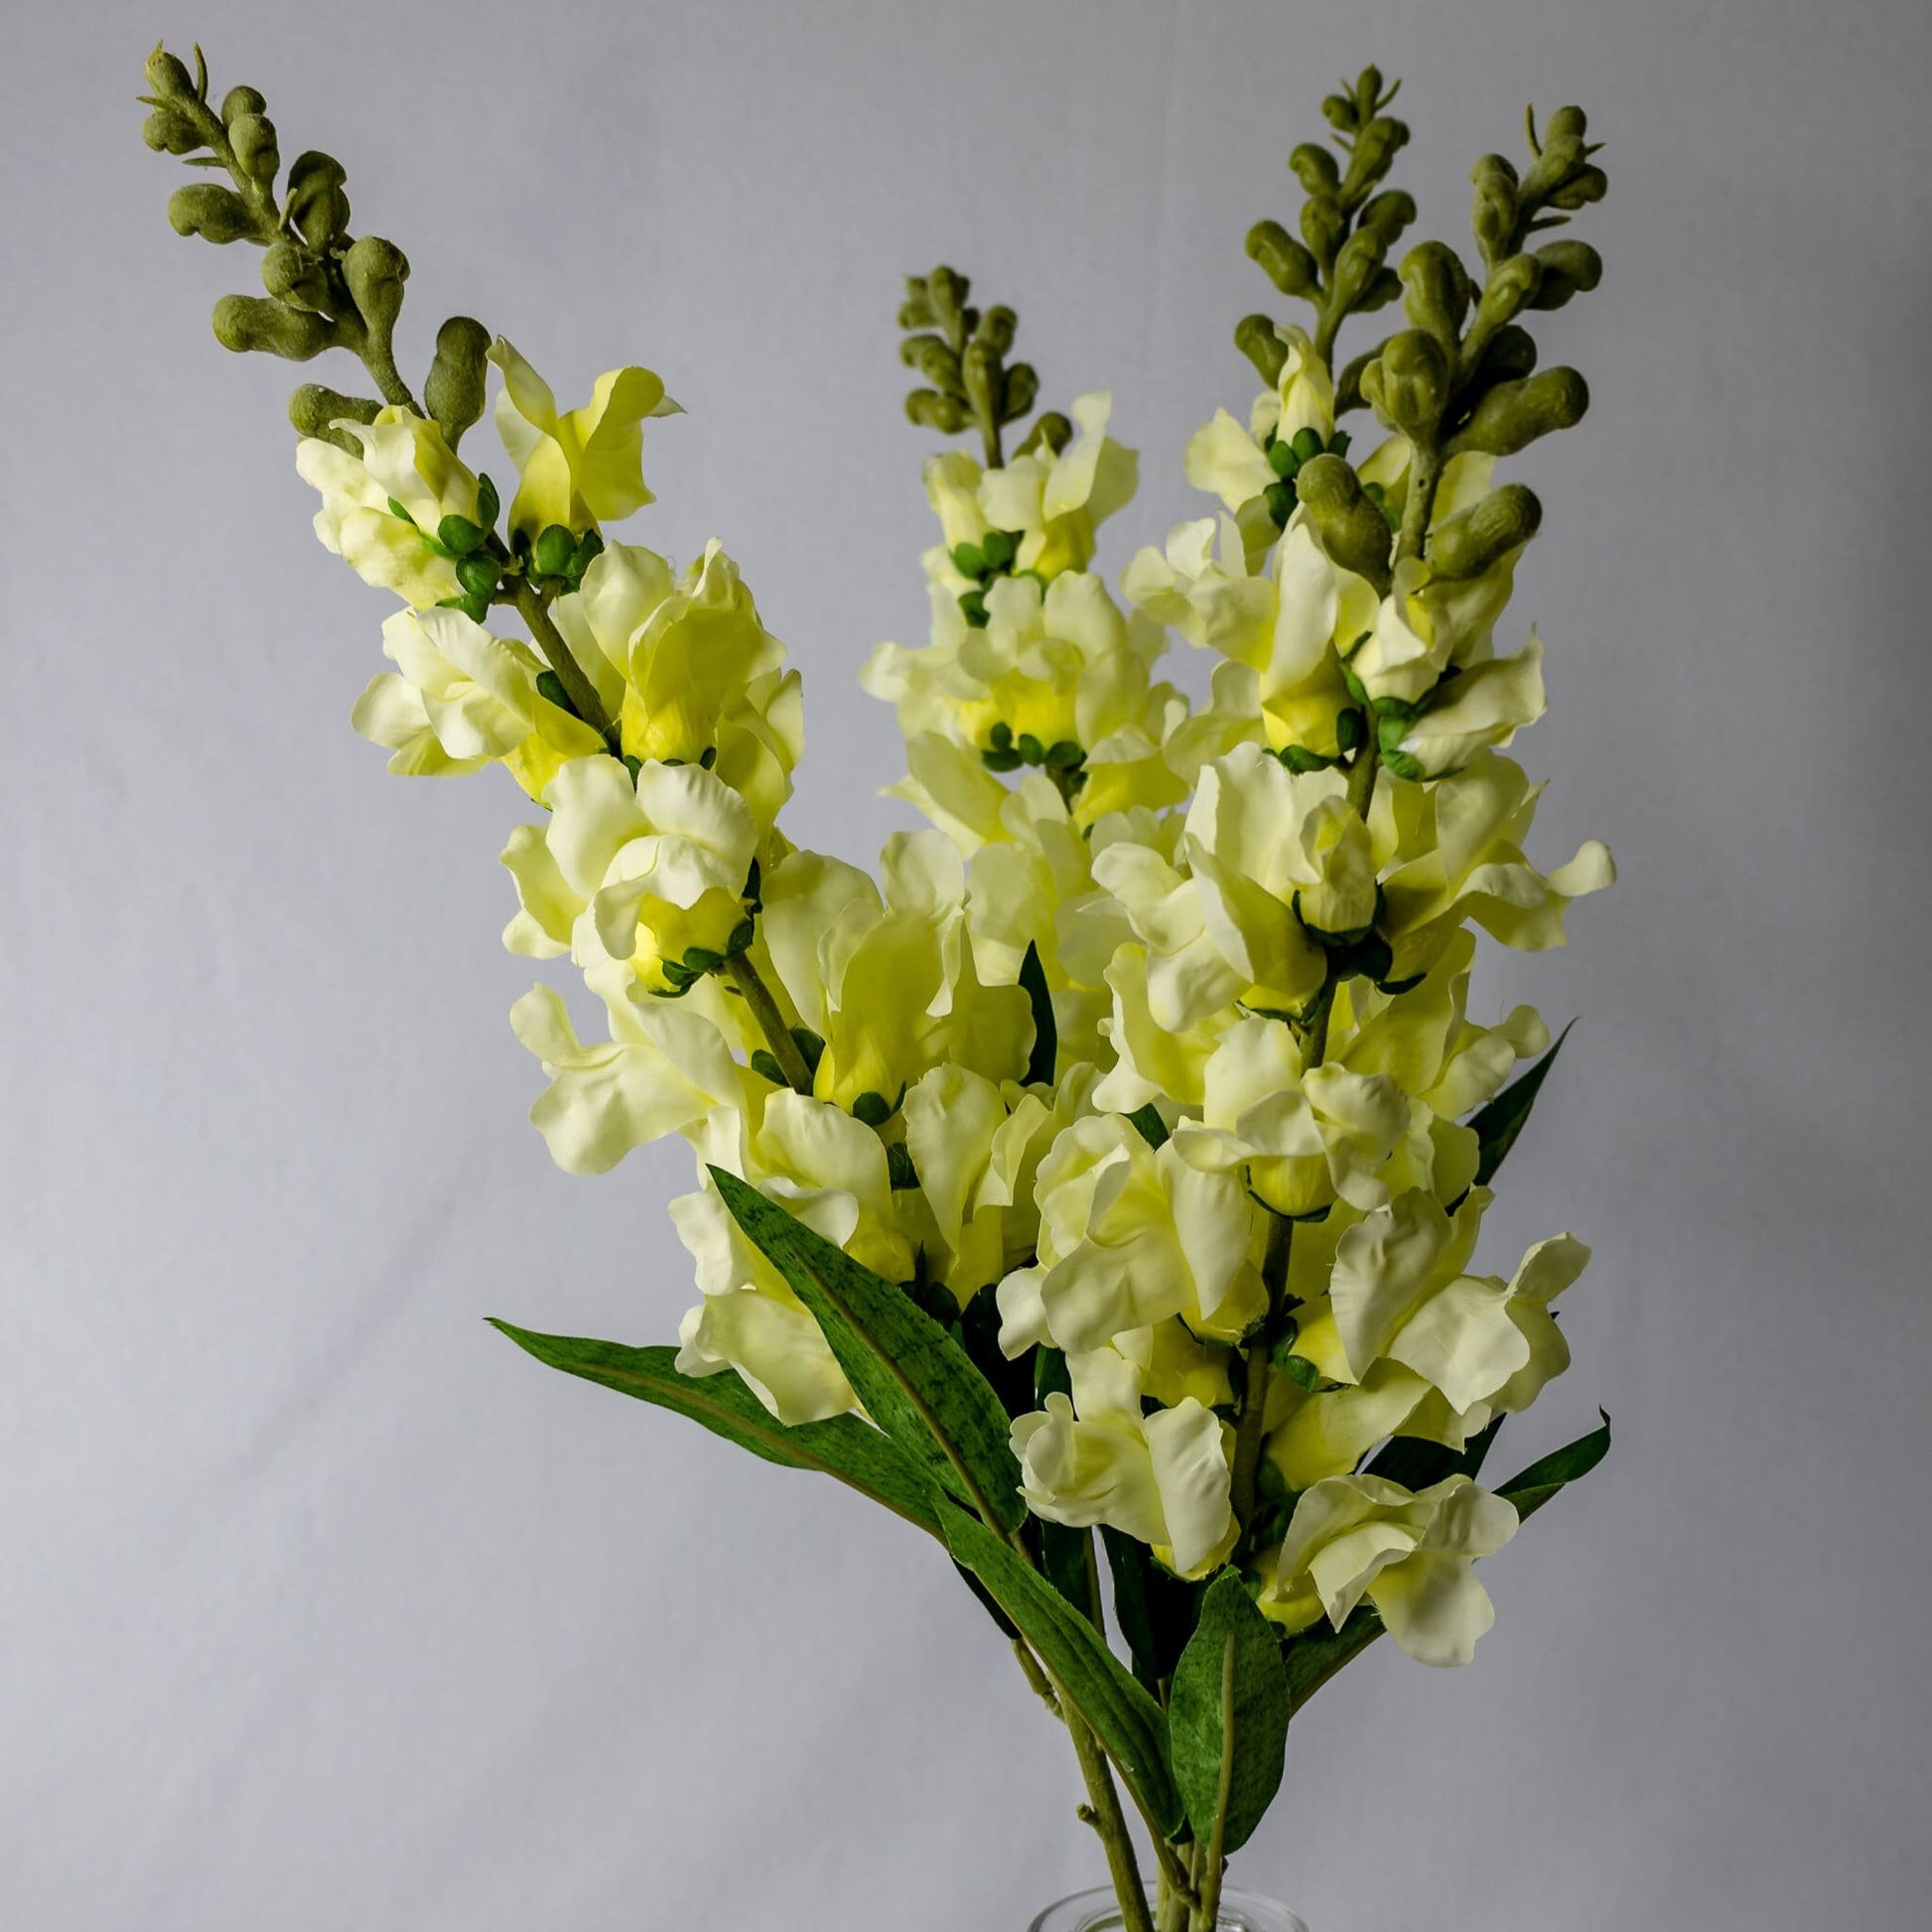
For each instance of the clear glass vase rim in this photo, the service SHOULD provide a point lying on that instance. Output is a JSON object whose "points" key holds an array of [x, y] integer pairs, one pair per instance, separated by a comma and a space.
{"points": [[1099, 1912]]}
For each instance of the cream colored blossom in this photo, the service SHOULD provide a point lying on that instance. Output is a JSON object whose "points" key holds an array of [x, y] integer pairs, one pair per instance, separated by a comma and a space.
{"points": [[579, 467], [1055, 503], [1093, 1457], [405, 461], [1410, 1555], [1129, 1236], [462, 698]]}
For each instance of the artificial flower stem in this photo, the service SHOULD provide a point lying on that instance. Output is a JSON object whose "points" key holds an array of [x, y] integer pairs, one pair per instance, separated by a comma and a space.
{"points": [[771, 1023], [1424, 478], [1251, 1420], [1103, 1811], [582, 693]]}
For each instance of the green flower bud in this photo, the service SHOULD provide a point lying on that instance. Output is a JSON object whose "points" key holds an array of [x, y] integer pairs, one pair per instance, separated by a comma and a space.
{"points": [[1279, 498], [1006, 761], [1514, 414], [935, 359], [252, 136], [1569, 268], [1497, 203], [1349, 730], [915, 312], [1489, 529], [1065, 754], [1567, 124], [1586, 186], [215, 214], [1052, 432], [1508, 354], [317, 205], [997, 547], [1001, 737], [167, 75], [1353, 531], [985, 388], [1282, 258], [1021, 391], [554, 548], [1254, 337], [930, 410], [1510, 289], [168, 131], [454, 390], [316, 410], [291, 274], [1283, 460], [375, 271], [238, 101], [1316, 168], [969, 560], [873, 1108], [1376, 147], [459, 537], [1389, 213], [972, 604], [1030, 750], [946, 294], [477, 574], [245, 322], [1408, 384], [1435, 290], [1323, 226], [1357, 265], [1339, 112], [997, 327], [1307, 444]]}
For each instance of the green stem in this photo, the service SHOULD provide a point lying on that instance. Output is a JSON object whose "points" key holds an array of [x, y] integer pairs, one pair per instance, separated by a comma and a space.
{"points": [[1251, 1420], [771, 1023], [570, 674], [1425, 475], [1106, 1817]]}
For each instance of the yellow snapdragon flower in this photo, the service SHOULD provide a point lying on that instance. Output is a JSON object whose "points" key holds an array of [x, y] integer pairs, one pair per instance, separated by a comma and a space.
{"points": [[887, 979], [654, 866], [1303, 1138], [579, 468], [1270, 857], [830, 1171], [1055, 503], [1450, 852], [664, 1068], [688, 668], [1411, 1555], [1129, 1236], [407, 460], [462, 697], [1229, 461], [1093, 1457]]}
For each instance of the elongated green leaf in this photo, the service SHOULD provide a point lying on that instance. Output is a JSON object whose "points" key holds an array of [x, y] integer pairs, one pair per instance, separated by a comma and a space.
{"points": [[1046, 1034], [1317, 1653], [1534, 1487], [845, 1447], [1498, 1123], [1227, 1715], [1155, 1610], [914, 1379], [1417, 1464], [1125, 1718]]}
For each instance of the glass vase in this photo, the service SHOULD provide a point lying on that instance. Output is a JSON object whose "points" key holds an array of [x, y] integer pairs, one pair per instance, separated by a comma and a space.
{"points": [[1099, 1912]]}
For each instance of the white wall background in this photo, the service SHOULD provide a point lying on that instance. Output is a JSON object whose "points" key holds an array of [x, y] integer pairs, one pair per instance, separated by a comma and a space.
{"points": [[323, 1608]]}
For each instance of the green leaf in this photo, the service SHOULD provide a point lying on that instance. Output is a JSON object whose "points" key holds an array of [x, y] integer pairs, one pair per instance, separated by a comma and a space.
{"points": [[851, 1450], [1317, 1653], [1065, 1556], [1499, 1122], [1417, 1464], [1046, 1039], [1125, 1718], [1227, 1716], [1155, 1612], [914, 1379], [1534, 1487], [1147, 1123]]}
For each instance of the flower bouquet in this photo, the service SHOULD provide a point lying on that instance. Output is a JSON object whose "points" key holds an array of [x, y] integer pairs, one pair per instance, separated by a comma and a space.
{"points": [[1097, 1184]]}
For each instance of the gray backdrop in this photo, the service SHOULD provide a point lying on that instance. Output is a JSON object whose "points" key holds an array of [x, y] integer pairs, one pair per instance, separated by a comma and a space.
{"points": [[323, 1607]]}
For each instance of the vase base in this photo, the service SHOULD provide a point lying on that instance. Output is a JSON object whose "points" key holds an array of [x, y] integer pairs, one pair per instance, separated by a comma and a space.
{"points": [[1099, 1912]]}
